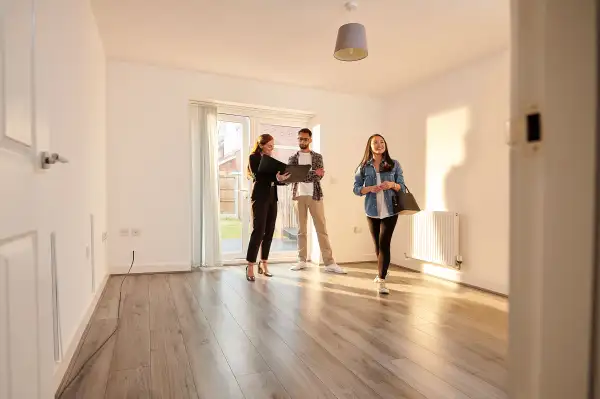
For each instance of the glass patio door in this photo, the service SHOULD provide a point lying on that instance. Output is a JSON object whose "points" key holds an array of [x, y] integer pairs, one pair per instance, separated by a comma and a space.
{"points": [[237, 135]]}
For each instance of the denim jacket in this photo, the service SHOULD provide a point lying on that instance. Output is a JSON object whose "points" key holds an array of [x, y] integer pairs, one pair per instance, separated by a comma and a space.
{"points": [[367, 176]]}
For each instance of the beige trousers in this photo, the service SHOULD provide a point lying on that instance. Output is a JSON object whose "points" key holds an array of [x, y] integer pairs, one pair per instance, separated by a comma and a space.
{"points": [[304, 204]]}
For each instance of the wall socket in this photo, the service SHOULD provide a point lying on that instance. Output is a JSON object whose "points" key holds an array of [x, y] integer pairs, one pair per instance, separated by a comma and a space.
{"points": [[124, 232], [135, 232]]}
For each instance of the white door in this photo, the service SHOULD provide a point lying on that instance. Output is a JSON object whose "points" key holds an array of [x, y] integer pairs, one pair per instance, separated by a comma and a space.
{"points": [[25, 284]]}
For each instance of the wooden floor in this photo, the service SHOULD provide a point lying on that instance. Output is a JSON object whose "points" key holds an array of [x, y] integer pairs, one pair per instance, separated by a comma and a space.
{"points": [[305, 335]]}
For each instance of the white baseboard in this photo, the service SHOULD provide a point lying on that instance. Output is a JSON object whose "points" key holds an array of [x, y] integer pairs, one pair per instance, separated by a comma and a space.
{"points": [[61, 367], [151, 268], [449, 274]]}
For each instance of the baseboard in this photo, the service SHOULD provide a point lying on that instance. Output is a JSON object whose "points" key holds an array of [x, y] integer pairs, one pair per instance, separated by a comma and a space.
{"points": [[447, 274], [151, 268], [73, 347]]}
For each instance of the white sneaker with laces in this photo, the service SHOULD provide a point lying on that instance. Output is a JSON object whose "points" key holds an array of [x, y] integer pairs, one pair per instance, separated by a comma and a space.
{"points": [[381, 288], [298, 266], [335, 268], [378, 280]]}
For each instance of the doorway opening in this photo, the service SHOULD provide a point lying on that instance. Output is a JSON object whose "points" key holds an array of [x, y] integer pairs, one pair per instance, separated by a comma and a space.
{"points": [[237, 133]]}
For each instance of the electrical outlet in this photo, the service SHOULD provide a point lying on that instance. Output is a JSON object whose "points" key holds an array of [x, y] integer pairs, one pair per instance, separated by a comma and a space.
{"points": [[124, 232], [135, 232]]}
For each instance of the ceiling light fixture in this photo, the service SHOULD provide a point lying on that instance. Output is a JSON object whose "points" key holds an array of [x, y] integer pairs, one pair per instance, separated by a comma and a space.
{"points": [[351, 43]]}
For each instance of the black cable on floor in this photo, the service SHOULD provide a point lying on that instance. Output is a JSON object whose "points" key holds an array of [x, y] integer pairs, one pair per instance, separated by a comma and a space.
{"points": [[59, 396]]}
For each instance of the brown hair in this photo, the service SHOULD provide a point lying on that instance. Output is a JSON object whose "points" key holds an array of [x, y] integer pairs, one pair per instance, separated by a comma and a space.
{"points": [[257, 149]]}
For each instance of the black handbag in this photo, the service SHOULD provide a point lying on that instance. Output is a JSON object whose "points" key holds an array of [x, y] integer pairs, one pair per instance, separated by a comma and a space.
{"points": [[404, 203]]}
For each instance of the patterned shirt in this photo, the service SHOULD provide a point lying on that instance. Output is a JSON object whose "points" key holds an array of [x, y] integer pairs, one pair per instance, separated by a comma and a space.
{"points": [[317, 163]]}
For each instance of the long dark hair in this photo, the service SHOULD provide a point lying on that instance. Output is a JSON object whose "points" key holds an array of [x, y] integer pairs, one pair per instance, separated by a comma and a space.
{"points": [[388, 162], [262, 140]]}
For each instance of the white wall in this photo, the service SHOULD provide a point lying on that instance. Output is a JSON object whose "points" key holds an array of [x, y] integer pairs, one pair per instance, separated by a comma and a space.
{"points": [[449, 135], [71, 85], [149, 157]]}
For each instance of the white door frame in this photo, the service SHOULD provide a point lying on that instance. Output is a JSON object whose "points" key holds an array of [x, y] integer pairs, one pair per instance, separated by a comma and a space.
{"points": [[553, 199], [243, 187]]}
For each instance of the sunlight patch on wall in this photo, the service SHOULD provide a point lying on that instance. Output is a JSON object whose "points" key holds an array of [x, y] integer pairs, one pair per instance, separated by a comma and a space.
{"points": [[445, 149]]}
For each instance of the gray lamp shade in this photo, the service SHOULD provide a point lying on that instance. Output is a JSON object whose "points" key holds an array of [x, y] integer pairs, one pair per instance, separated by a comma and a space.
{"points": [[351, 43]]}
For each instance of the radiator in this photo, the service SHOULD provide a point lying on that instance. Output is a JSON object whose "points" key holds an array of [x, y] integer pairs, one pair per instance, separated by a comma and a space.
{"points": [[433, 238]]}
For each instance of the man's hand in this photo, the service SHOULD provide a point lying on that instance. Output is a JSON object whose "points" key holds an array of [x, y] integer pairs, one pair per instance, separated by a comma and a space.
{"points": [[320, 172]]}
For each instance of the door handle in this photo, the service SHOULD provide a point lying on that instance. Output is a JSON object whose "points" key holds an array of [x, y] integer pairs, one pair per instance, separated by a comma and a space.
{"points": [[50, 159]]}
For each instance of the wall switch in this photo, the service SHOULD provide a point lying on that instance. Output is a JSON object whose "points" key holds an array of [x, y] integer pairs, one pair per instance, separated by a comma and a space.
{"points": [[135, 232], [124, 232]]}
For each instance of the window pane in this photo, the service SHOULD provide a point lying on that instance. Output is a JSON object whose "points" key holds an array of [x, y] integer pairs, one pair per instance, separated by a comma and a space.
{"points": [[230, 173], [283, 154], [283, 135]]}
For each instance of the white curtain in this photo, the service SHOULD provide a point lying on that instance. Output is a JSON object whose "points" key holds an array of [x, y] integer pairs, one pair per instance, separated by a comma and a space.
{"points": [[206, 242]]}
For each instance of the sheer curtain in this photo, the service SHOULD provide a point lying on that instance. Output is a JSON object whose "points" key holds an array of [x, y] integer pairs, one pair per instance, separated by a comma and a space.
{"points": [[206, 241]]}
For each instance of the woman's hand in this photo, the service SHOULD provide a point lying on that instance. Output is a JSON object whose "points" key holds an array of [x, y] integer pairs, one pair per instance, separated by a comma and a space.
{"points": [[388, 185], [283, 177], [371, 189]]}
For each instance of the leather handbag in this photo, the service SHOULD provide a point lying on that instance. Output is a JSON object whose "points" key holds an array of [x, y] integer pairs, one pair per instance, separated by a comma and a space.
{"points": [[404, 203]]}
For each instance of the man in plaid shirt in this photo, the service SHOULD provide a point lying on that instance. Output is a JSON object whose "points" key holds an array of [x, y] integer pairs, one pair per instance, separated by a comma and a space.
{"points": [[309, 197]]}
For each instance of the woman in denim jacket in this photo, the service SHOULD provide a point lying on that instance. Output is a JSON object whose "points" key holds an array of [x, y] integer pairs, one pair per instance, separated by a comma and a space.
{"points": [[378, 178]]}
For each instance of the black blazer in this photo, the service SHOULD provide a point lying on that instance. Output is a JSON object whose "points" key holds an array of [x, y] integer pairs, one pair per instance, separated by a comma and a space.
{"points": [[261, 189]]}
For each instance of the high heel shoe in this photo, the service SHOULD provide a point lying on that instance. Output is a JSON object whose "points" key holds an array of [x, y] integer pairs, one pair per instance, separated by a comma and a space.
{"points": [[262, 271], [248, 277]]}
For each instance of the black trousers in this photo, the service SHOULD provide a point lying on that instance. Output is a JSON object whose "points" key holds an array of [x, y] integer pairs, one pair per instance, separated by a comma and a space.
{"points": [[264, 216], [382, 231]]}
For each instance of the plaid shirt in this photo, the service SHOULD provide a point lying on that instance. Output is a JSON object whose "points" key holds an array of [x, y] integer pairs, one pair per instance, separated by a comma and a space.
{"points": [[317, 163]]}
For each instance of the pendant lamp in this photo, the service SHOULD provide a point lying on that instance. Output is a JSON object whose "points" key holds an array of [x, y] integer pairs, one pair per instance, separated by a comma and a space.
{"points": [[351, 43]]}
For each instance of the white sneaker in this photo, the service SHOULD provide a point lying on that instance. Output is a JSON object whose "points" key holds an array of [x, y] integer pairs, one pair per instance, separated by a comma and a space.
{"points": [[298, 266], [381, 288], [335, 268], [378, 280]]}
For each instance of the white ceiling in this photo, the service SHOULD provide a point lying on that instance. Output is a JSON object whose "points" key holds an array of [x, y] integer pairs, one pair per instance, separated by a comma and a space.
{"points": [[292, 41]]}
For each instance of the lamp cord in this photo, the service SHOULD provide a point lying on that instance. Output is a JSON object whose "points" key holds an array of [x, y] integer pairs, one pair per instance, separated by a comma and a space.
{"points": [[59, 396]]}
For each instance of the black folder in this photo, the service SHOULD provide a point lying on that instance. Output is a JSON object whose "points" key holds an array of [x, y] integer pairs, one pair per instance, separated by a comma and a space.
{"points": [[298, 173]]}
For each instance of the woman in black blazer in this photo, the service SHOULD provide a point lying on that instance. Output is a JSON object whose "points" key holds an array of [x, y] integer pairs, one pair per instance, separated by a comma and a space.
{"points": [[264, 206]]}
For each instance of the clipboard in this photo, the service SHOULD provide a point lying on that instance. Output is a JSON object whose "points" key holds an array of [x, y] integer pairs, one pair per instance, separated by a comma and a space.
{"points": [[298, 173], [271, 165]]}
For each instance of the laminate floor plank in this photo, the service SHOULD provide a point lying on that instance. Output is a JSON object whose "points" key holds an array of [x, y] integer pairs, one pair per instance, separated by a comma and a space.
{"points": [[132, 348], [212, 375], [171, 375], [262, 386], [130, 384]]}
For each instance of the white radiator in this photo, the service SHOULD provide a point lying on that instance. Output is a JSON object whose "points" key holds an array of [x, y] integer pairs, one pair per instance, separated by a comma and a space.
{"points": [[433, 238]]}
